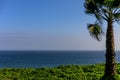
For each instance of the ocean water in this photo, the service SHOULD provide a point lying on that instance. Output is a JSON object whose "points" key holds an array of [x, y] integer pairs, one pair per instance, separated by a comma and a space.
{"points": [[36, 59]]}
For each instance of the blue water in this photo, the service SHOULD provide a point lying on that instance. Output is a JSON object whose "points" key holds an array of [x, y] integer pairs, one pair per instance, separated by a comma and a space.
{"points": [[37, 59]]}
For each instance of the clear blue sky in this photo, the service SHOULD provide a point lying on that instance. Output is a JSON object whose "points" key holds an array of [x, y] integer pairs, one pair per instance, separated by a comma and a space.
{"points": [[47, 25]]}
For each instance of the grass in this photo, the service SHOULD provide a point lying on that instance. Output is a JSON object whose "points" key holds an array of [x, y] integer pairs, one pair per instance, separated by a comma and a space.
{"points": [[68, 72]]}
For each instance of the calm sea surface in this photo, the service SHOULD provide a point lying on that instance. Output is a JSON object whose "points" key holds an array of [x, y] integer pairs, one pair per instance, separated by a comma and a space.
{"points": [[37, 59]]}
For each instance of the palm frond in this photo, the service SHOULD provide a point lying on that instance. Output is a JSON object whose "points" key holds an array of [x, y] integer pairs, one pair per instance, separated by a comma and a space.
{"points": [[95, 31], [90, 6], [103, 10], [116, 3], [116, 15], [97, 15], [108, 3]]}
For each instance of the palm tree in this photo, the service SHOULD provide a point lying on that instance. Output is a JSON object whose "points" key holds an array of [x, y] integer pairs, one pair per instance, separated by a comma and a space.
{"points": [[104, 11]]}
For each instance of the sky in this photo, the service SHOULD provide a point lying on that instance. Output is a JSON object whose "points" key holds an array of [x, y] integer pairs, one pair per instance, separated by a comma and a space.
{"points": [[47, 25]]}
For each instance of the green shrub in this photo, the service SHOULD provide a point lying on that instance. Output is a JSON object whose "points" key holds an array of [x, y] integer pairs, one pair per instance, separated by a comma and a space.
{"points": [[68, 72]]}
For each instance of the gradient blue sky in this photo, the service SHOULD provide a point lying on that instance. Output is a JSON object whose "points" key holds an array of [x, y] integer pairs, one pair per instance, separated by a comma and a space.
{"points": [[47, 25]]}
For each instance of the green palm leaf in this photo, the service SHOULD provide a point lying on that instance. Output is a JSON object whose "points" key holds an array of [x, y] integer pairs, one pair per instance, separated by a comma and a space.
{"points": [[117, 15], [91, 7], [116, 3], [95, 31]]}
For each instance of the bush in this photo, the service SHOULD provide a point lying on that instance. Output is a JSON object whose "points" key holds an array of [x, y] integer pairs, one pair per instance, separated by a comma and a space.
{"points": [[115, 77], [68, 72]]}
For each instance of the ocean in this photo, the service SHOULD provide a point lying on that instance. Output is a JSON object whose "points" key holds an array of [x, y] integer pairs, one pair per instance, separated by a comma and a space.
{"points": [[37, 59]]}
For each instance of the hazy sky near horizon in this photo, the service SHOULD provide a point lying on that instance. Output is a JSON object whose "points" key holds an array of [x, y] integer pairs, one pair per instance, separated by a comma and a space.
{"points": [[47, 25]]}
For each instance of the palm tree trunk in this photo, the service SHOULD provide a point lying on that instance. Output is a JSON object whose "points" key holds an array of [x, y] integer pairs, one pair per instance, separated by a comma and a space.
{"points": [[110, 51]]}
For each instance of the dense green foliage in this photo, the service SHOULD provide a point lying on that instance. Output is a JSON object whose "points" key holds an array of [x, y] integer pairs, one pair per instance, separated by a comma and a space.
{"points": [[68, 72]]}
